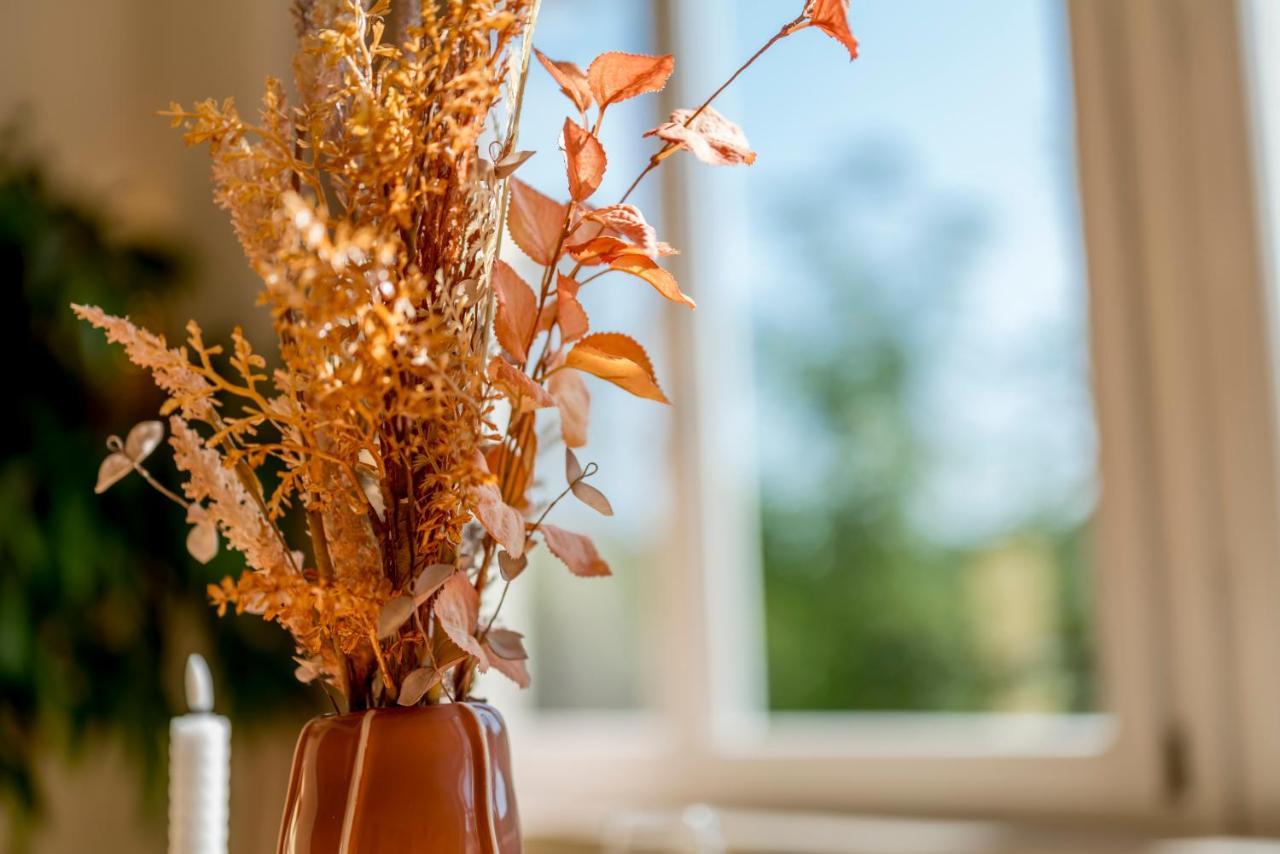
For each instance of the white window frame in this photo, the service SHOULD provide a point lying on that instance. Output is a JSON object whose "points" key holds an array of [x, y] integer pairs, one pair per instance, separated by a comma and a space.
{"points": [[1186, 580]]}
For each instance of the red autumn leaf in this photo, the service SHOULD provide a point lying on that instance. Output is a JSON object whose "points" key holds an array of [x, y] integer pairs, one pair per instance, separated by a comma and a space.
{"points": [[710, 137], [620, 360], [648, 269], [503, 522], [617, 76], [832, 17], [535, 222], [629, 223], [573, 82], [575, 551], [525, 394], [570, 314], [457, 609], [584, 160], [517, 310], [574, 401], [513, 669]]}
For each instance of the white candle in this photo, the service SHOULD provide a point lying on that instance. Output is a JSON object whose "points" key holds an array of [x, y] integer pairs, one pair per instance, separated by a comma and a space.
{"points": [[199, 770]]}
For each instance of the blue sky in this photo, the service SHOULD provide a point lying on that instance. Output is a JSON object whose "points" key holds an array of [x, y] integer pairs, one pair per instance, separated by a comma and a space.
{"points": [[972, 101]]}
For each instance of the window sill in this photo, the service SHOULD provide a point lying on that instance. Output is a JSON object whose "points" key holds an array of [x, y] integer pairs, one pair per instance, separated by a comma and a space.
{"points": [[818, 833]]}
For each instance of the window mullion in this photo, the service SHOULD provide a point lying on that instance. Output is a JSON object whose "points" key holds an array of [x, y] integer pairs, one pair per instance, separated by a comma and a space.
{"points": [[715, 410]]}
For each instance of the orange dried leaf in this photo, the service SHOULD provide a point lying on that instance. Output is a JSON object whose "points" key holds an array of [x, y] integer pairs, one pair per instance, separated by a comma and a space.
{"points": [[457, 609], [417, 684], [585, 160], [575, 551], [603, 248], [598, 250], [511, 567], [646, 268], [572, 80], [628, 222], [517, 310], [393, 615], [515, 670], [584, 230], [618, 76], [832, 17], [547, 317], [507, 644], [592, 497], [525, 394], [503, 522], [574, 401], [570, 314], [445, 653], [429, 581], [710, 137], [620, 360], [535, 221]]}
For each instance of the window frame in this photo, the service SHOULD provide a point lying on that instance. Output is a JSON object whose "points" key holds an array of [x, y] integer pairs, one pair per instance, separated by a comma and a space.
{"points": [[1186, 594]]}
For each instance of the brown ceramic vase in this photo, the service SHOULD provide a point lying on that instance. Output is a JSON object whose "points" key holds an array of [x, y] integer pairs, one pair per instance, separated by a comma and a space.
{"points": [[402, 781]]}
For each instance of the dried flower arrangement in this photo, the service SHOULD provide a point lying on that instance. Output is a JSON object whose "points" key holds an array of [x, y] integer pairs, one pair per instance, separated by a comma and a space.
{"points": [[401, 435]]}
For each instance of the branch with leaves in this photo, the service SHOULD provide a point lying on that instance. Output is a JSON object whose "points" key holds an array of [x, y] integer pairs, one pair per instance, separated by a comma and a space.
{"points": [[414, 365]]}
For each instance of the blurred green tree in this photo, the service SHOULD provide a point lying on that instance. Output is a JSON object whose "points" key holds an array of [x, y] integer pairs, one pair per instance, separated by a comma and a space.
{"points": [[864, 611]]}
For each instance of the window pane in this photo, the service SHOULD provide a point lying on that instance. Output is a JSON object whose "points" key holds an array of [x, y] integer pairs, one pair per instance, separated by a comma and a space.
{"points": [[927, 464], [586, 635]]}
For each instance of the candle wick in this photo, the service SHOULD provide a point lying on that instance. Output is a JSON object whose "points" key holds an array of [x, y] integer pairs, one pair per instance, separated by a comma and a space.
{"points": [[199, 684]]}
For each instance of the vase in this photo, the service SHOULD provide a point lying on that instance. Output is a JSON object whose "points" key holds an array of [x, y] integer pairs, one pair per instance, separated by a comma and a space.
{"points": [[401, 781]]}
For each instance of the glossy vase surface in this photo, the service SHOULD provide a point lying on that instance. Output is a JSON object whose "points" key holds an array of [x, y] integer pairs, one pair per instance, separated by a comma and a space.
{"points": [[402, 781]]}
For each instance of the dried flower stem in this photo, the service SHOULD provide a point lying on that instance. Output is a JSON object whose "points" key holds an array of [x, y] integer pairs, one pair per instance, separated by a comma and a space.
{"points": [[465, 676], [159, 487], [387, 681]]}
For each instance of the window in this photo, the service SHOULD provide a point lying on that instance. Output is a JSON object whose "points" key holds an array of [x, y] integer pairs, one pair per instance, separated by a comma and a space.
{"points": [[926, 436], [974, 423]]}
